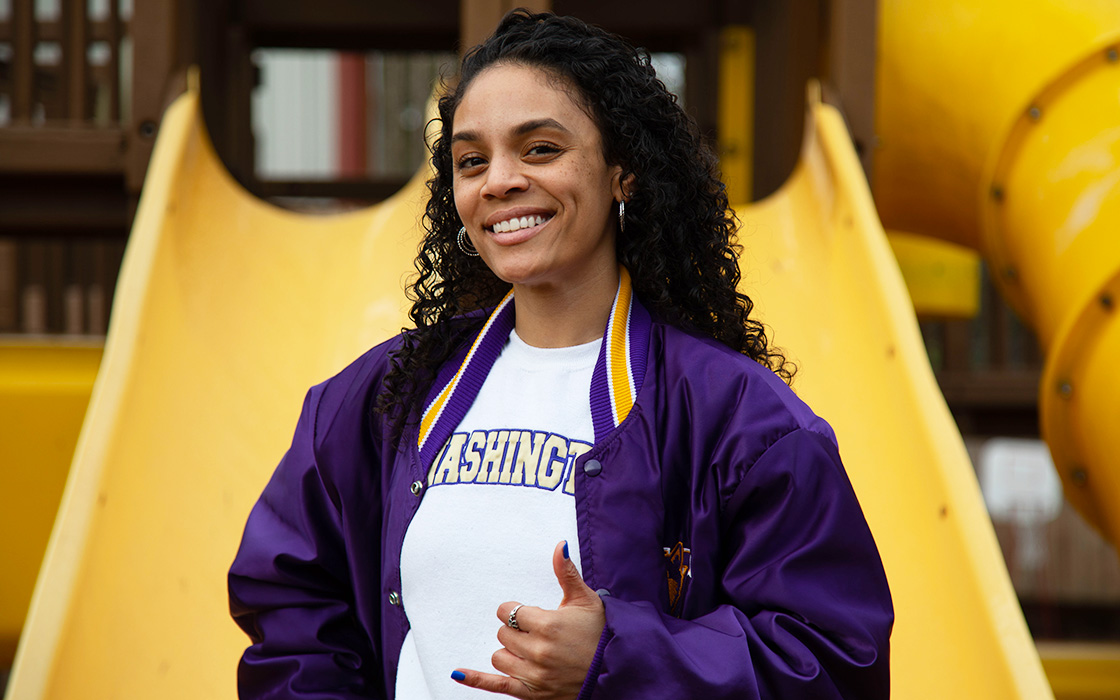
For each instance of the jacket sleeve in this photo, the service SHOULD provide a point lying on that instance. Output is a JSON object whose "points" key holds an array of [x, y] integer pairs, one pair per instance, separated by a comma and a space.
{"points": [[290, 589], [805, 609]]}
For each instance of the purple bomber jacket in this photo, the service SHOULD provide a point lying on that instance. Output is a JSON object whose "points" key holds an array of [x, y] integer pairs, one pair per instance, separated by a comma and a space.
{"points": [[715, 520]]}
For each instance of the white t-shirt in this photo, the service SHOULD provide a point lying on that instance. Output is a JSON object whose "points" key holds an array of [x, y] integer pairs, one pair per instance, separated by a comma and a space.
{"points": [[500, 496]]}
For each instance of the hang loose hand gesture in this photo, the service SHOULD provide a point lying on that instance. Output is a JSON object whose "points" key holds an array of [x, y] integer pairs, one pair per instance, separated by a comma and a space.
{"points": [[549, 652]]}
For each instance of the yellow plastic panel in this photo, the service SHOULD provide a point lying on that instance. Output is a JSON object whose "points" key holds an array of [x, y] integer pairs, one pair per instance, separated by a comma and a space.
{"points": [[952, 76], [943, 278], [1080, 402], [819, 266], [1000, 129], [44, 391], [1082, 671], [1052, 236], [1051, 231], [228, 309], [736, 110]]}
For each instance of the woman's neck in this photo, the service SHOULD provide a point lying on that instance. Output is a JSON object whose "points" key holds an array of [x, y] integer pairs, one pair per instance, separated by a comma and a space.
{"points": [[549, 317]]}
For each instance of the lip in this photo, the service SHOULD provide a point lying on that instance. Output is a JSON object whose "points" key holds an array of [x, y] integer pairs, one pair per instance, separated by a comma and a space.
{"points": [[518, 212], [514, 237]]}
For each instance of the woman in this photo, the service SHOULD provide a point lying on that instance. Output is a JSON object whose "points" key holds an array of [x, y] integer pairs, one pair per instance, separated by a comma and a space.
{"points": [[642, 512]]}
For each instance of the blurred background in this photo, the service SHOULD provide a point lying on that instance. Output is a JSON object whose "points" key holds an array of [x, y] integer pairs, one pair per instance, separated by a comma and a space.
{"points": [[320, 108]]}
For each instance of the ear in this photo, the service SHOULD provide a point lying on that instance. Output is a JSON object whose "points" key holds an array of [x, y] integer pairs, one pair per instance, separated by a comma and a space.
{"points": [[621, 188]]}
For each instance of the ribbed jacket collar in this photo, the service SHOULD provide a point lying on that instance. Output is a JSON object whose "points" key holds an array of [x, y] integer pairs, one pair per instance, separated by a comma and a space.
{"points": [[615, 381]]}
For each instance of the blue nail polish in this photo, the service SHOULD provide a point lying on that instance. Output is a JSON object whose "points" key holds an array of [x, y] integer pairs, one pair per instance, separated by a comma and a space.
{"points": [[566, 550], [458, 675]]}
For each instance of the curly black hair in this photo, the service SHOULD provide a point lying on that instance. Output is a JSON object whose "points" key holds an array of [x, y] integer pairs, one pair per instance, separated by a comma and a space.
{"points": [[678, 243]]}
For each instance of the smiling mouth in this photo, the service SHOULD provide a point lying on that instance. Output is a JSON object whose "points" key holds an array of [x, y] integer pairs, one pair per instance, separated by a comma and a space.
{"points": [[518, 223]]}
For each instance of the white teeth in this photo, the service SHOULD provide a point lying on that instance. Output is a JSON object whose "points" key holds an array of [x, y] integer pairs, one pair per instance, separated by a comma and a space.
{"points": [[516, 224]]}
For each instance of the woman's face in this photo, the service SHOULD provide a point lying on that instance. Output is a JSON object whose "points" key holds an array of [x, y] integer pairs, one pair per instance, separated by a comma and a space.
{"points": [[530, 181]]}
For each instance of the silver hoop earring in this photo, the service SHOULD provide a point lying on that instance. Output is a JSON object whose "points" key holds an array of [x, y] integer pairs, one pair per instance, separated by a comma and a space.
{"points": [[465, 244], [622, 216]]}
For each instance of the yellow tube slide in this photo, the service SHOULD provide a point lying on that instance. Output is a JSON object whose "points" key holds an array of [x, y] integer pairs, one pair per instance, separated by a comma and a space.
{"points": [[1000, 129], [228, 309]]}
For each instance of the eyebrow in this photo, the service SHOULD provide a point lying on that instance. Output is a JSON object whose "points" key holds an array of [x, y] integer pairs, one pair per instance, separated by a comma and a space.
{"points": [[520, 130]]}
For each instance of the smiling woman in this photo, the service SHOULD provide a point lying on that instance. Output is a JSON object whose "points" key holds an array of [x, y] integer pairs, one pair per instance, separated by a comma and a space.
{"points": [[585, 442], [536, 196]]}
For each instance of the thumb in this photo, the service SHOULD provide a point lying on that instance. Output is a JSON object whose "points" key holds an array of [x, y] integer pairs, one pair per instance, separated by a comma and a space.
{"points": [[576, 592]]}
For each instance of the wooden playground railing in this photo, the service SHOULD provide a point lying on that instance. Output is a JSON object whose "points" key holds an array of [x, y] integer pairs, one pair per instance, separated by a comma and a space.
{"points": [[72, 31], [82, 88]]}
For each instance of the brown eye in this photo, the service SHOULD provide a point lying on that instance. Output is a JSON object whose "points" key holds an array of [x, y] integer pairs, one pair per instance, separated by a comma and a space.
{"points": [[543, 150], [468, 162]]}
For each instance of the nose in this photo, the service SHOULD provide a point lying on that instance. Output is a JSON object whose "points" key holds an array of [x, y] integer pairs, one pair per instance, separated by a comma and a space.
{"points": [[504, 176]]}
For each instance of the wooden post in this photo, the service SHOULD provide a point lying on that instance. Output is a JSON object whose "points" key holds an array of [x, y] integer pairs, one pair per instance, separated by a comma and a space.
{"points": [[241, 149], [701, 82], [113, 37], [352, 147], [153, 53], [480, 17], [74, 64], [853, 28], [23, 59], [787, 39]]}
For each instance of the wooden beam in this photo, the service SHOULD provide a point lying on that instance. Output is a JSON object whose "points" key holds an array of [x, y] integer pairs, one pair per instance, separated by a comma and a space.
{"points": [[352, 24], [667, 25], [658, 25], [364, 190], [990, 388], [25, 149], [92, 206], [98, 30]]}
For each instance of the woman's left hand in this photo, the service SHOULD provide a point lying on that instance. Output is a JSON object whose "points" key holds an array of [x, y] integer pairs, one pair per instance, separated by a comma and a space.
{"points": [[549, 655]]}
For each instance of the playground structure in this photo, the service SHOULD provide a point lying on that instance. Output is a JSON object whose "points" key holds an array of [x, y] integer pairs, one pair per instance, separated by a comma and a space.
{"points": [[1024, 166], [229, 308]]}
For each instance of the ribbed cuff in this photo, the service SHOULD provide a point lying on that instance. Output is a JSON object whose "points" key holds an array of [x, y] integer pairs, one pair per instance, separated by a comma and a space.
{"points": [[592, 678]]}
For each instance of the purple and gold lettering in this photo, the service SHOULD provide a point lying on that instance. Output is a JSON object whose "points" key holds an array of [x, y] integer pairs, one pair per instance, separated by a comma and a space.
{"points": [[575, 449], [492, 458], [529, 450], [445, 469], [551, 468], [469, 470], [507, 463]]}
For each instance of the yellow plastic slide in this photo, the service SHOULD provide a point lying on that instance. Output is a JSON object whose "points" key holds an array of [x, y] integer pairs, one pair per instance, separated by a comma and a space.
{"points": [[999, 130], [44, 391], [228, 309]]}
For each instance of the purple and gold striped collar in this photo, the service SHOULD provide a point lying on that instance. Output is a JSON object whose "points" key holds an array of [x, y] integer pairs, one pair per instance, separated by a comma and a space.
{"points": [[615, 381]]}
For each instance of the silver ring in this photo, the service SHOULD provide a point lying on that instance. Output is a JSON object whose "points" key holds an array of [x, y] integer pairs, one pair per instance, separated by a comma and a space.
{"points": [[512, 621]]}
